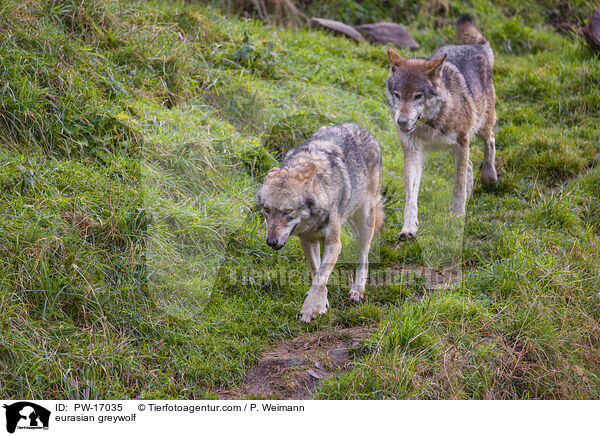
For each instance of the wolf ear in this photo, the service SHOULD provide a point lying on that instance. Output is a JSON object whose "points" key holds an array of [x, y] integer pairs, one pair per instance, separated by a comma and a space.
{"points": [[307, 173], [395, 59], [434, 67], [273, 173]]}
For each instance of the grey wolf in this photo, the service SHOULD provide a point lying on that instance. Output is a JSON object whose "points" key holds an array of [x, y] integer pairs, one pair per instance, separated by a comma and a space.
{"points": [[332, 178], [441, 103]]}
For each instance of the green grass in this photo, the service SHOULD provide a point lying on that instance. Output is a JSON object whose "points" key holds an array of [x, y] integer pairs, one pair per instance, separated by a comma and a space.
{"points": [[132, 261]]}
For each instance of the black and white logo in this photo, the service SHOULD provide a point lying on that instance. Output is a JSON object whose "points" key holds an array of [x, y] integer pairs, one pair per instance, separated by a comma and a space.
{"points": [[26, 415]]}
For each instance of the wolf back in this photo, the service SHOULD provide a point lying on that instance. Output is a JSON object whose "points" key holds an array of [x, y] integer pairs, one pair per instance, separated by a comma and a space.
{"points": [[345, 155]]}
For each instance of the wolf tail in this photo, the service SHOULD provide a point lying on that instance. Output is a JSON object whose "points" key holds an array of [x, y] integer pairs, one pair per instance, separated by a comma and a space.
{"points": [[468, 33], [379, 215]]}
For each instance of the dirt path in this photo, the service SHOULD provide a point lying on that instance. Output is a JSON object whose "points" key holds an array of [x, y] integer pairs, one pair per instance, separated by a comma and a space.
{"points": [[294, 367]]}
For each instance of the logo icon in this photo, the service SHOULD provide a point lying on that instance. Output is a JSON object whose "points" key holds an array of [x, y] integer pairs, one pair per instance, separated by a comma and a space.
{"points": [[26, 415]]}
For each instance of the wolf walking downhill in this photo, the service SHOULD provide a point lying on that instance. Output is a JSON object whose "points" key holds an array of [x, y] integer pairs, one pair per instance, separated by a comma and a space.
{"points": [[332, 178], [440, 103]]}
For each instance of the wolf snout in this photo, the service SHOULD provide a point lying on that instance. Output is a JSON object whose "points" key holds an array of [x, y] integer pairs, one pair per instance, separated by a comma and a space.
{"points": [[405, 124], [402, 122], [274, 243]]}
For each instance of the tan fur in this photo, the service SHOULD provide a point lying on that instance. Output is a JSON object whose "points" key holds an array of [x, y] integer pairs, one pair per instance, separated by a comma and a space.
{"points": [[301, 174], [435, 108], [432, 67], [395, 58], [379, 216]]}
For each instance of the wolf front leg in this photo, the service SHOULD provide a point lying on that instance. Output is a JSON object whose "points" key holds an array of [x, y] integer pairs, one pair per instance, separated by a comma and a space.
{"points": [[413, 166], [461, 164], [312, 251], [316, 297]]}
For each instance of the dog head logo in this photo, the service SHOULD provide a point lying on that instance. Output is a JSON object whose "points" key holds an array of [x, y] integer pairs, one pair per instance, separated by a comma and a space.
{"points": [[26, 415]]}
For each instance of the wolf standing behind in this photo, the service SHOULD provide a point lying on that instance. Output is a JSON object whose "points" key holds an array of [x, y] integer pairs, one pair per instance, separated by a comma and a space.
{"points": [[440, 103], [332, 178]]}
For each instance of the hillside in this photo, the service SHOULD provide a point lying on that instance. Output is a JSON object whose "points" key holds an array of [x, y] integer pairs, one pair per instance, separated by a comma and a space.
{"points": [[132, 259]]}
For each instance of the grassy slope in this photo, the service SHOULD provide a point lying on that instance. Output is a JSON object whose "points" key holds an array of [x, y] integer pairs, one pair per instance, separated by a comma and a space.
{"points": [[133, 137]]}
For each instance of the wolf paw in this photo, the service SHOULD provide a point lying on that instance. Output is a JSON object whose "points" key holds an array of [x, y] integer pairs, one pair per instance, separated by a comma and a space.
{"points": [[408, 231], [356, 294], [489, 175], [313, 305]]}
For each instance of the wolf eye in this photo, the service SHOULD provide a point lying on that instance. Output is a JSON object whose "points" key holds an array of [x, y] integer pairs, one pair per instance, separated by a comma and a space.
{"points": [[418, 96], [288, 211], [266, 210]]}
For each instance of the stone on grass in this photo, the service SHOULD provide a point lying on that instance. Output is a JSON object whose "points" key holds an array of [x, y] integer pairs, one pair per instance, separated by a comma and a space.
{"points": [[387, 33], [340, 27], [591, 31]]}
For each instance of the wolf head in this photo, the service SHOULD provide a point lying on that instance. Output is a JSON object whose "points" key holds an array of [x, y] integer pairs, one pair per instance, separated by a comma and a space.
{"points": [[286, 200], [413, 89]]}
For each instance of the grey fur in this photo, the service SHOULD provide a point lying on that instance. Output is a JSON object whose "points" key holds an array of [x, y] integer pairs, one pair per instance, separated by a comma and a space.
{"points": [[333, 178], [474, 62]]}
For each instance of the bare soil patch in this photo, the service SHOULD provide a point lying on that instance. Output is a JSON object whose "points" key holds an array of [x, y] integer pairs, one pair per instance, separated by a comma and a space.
{"points": [[294, 367]]}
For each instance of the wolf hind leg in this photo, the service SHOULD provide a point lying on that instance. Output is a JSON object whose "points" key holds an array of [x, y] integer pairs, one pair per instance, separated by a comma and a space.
{"points": [[489, 175], [364, 220], [312, 252], [469, 178], [488, 171], [461, 165]]}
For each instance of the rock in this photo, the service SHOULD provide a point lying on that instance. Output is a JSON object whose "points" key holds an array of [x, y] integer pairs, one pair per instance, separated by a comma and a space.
{"points": [[26, 178], [338, 351], [339, 27], [319, 366], [313, 374], [591, 31], [386, 33]]}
